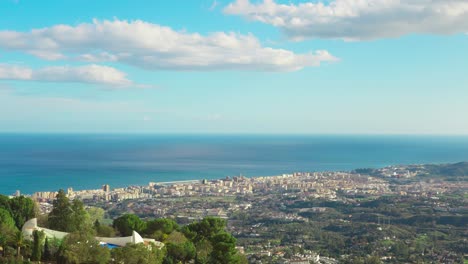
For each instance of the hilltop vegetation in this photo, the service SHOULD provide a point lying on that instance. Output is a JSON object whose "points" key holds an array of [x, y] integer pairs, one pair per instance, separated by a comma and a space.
{"points": [[449, 172], [205, 241]]}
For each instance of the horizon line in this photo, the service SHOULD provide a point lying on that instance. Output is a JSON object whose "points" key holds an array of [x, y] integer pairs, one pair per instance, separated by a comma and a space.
{"points": [[225, 133]]}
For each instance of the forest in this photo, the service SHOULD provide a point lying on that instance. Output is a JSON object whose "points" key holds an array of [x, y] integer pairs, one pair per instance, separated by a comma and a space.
{"points": [[204, 241]]}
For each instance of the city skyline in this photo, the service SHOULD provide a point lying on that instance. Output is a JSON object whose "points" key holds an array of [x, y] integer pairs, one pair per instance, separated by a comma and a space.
{"points": [[295, 67]]}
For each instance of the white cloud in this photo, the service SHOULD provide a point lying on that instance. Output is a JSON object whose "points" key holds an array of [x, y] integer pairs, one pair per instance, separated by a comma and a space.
{"points": [[94, 74], [358, 19], [156, 47], [13, 72]]}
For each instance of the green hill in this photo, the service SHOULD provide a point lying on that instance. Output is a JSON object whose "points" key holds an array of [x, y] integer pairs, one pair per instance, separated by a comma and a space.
{"points": [[448, 170]]}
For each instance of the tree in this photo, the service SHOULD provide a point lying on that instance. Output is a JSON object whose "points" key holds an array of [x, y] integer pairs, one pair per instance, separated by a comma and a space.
{"points": [[3, 242], [5, 202], [106, 231], [6, 219], [47, 255], [400, 250], [180, 252], [160, 228], [138, 254], [179, 248], [96, 224], [204, 249], [22, 209], [373, 260], [176, 237], [162, 224], [95, 214], [7, 234], [103, 230], [206, 228], [128, 223], [43, 220], [59, 217], [212, 239], [82, 247], [38, 244], [224, 249], [68, 216], [79, 218], [51, 249], [422, 243], [19, 242]]}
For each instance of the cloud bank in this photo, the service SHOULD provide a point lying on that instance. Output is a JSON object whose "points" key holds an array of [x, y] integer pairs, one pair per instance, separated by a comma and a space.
{"points": [[356, 20], [93, 74], [154, 47]]}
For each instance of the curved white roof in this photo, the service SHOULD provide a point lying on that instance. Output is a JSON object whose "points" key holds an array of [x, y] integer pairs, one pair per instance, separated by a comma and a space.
{"points": [[135, 238]]}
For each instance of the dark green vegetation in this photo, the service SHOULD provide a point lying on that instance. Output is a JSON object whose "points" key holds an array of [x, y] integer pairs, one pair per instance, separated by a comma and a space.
{"points": [[13, 213], [397, 229], [449, 172], [139, 253], [456, 171], [16, 210], [199, 242], [68, 216]]}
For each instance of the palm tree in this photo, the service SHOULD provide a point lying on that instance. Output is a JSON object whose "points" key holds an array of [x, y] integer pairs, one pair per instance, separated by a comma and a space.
{"points": [[19, 241]]}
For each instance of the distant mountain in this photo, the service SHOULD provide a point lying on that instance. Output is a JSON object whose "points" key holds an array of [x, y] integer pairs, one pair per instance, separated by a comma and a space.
{"points": [[449, 171], [454, 169]]}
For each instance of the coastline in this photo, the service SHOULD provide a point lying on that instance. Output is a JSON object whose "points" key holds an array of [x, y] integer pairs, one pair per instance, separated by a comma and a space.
{"points": [[33, 163], [413, 172]]}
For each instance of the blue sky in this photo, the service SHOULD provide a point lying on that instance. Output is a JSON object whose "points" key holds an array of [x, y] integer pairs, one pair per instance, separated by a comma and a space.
{"points": [[341, 67]]}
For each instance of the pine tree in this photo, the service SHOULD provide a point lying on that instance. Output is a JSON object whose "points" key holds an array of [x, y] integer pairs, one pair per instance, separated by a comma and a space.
{"points": [[38, 237], [97, 225], [79, 218], [59, 217], [22, 209], [68, 216], [47, 255]]}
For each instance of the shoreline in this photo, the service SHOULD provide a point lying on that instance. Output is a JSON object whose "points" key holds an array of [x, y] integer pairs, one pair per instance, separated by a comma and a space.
{"points": [[49, 163], [209, 179]]}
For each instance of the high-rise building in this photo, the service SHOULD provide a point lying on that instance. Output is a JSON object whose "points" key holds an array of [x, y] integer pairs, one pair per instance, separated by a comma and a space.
{"points": [[106, 188]]}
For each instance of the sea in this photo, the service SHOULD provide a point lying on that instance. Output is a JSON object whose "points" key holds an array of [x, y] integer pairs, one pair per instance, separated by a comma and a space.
{"points": [[48, 162]]}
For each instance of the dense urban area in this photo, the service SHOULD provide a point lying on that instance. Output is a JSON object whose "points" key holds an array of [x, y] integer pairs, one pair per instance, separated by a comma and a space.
{"points": [[396, 214]]}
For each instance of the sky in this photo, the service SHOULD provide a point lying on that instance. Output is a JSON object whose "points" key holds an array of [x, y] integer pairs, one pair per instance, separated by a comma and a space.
{"points": [[234, 66]]}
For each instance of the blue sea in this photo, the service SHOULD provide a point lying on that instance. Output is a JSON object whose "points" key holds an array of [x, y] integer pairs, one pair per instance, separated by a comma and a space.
{"points": [[47, 162]]}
